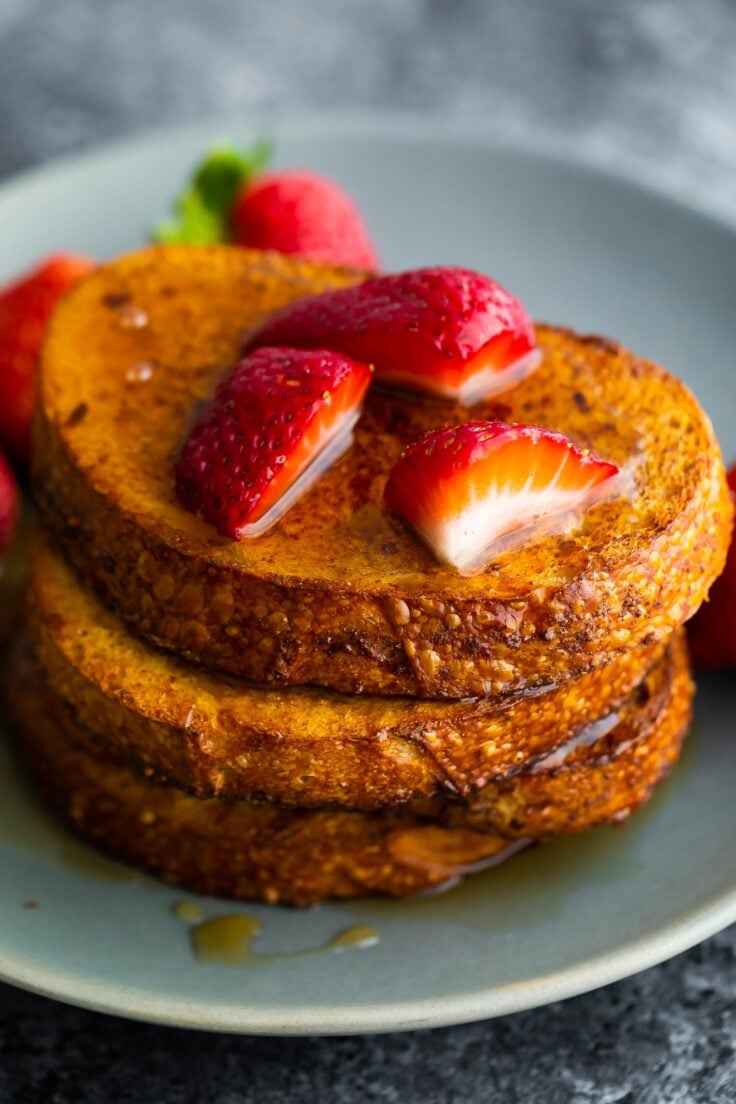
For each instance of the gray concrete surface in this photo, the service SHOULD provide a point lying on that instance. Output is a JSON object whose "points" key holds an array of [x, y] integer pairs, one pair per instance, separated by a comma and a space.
{"points": [[648, 82]]}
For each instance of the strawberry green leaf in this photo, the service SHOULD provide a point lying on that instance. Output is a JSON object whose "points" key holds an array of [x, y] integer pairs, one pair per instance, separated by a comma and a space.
{"points": [[193, 224], [202, 210]]}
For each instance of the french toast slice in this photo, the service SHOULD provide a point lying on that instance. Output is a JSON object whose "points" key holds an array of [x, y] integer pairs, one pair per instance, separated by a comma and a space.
{"points": [[263, 851], [212, 735], [339, 593]]}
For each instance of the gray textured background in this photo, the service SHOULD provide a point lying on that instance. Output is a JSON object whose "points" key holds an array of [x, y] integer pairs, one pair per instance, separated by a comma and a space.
{"points": [[651, 83]]}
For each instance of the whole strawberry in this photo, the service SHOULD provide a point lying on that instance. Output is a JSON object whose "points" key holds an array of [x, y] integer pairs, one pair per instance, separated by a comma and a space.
{"points": [[231, 199], [8, 503], [299, 212], [712, 632], [25, 309]]}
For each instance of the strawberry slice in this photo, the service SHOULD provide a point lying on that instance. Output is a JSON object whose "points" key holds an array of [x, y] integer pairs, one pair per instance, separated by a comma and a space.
{"points": [[276, 424], [465, 488], [448, 332]]}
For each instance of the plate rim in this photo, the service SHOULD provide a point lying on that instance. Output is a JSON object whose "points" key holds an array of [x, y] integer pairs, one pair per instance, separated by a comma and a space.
{"points": [[631, 957], [384, 1017], [532, 141]]}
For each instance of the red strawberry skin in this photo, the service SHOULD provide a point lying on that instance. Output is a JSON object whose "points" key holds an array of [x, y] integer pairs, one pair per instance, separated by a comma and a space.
{"points": [[270, 418], [712, 632], [296, 211], [421, 328], [8, 503], [25, 309], [463, 488]]}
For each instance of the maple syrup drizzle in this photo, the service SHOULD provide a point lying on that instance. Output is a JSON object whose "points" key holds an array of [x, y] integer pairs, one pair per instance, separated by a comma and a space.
{"points": [[228, 940]]}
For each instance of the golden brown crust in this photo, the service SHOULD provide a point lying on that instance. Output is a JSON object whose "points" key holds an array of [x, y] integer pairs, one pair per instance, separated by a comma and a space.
{"points": [[262, 851], [339, 593], [300, 746]]}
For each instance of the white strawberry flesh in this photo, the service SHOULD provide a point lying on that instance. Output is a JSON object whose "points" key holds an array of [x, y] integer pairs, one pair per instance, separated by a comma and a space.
{"points": [[470, 491]]}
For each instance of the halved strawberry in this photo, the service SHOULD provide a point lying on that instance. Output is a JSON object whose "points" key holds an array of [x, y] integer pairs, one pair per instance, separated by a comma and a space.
{"points": [[465, 488], [449, 332], [276, 424]]}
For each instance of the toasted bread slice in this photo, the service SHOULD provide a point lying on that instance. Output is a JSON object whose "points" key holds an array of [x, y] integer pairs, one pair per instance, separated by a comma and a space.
{"points": [[262, 851], [301, 746], [340, 593]]}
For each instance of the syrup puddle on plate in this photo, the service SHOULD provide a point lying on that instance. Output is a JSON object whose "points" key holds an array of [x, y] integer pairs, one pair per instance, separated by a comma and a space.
{"points": [[228, 940]]}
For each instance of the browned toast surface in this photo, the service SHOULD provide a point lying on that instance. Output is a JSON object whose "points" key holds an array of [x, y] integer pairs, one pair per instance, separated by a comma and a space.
{"points": [[302, 746], [251, 850], [340, 593]]}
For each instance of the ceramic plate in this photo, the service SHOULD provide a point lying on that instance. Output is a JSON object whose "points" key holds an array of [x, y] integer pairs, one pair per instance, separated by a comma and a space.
{"points": [[580, 246]]}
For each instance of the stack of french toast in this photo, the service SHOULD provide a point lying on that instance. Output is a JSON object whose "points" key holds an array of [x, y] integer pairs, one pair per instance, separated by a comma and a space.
{"points": [[350, 699]]}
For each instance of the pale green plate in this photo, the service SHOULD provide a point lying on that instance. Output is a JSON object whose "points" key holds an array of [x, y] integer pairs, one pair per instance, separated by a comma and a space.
{"points": [[580, 246]]}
